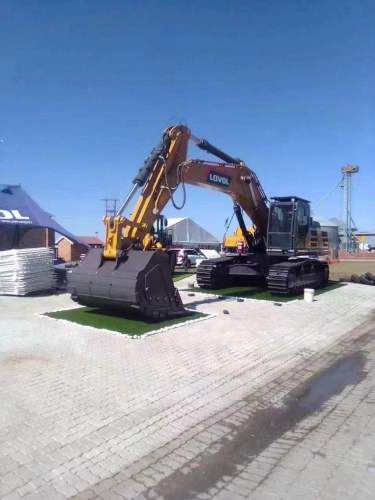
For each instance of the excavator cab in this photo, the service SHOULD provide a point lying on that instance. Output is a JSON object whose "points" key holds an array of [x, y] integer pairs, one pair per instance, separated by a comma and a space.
{"points": [[288, 225], [160, 231]]}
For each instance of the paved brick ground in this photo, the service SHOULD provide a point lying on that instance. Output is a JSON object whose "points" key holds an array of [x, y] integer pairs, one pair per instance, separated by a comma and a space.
{"points": [[219, 409]]}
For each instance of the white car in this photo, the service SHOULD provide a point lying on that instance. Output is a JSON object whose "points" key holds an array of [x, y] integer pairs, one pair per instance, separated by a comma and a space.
{"points": [[187, 257], [207, 254]]}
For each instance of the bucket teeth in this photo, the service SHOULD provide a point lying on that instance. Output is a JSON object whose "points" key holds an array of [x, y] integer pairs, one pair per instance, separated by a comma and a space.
{"points": [[141, 283]]}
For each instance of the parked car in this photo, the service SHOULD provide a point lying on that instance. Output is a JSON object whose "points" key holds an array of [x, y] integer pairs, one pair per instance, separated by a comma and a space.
{"points": [[187, 257], [207, 254]]}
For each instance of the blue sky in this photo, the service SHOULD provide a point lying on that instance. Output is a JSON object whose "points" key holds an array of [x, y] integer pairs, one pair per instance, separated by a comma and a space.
{"points": [[87, 87]]}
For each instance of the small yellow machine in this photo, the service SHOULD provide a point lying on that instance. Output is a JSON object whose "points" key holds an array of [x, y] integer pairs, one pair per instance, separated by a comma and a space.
{"points": [[233, 241]]}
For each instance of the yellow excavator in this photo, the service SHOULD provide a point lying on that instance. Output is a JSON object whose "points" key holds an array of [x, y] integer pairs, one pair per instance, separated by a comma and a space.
{"points": [[133, 271], [235, 241]]}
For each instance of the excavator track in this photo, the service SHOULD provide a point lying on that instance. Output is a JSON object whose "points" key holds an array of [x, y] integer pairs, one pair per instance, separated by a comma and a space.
{"points": [[278, 278], [283, 278], [213, 273], [294, 275]]}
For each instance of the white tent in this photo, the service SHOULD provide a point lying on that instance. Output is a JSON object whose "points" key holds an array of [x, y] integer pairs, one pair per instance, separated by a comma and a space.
{"points": [[187, 233]]}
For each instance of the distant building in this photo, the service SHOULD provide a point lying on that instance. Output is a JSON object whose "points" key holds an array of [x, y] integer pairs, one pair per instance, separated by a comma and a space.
{"points": [[342, 233], [71, 251], [26, 237], [331, 226], [23, 223], [365, 239], [188, 234], [91, 241]]}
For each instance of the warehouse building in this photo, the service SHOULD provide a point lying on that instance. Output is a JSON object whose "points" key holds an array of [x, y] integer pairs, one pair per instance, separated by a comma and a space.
{"points": [[331, 226], [186, 233]]}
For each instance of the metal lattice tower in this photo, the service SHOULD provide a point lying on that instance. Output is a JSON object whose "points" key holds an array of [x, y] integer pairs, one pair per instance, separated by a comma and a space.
{"points": [[348, 171], [110, 206]]}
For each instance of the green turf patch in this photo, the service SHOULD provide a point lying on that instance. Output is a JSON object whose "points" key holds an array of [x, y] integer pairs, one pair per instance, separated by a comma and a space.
{"points": [[332, 285], [259, 293], [180, 276], [130, 325]]}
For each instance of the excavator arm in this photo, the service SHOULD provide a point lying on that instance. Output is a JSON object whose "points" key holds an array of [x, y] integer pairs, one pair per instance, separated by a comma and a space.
{"points": [[235, 180], [158, 178]]}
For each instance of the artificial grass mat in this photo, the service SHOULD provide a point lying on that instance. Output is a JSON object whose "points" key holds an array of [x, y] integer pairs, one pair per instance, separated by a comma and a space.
{"points": [[130, 325], [258, 292], [180, 276]]}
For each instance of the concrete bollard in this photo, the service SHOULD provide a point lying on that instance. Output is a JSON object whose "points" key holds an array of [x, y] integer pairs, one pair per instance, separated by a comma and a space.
{"points": [[308, 294]]}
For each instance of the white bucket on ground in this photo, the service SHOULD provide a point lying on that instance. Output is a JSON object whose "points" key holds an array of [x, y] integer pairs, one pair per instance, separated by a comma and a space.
{"points": [[308, 294]]}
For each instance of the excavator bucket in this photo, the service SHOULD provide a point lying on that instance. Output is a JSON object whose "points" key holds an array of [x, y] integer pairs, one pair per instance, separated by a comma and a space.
{"points": [[140, 283]]}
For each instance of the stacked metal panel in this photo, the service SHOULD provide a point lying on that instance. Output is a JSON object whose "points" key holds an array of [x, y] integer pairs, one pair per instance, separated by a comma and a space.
{"points": [[26, 271]]}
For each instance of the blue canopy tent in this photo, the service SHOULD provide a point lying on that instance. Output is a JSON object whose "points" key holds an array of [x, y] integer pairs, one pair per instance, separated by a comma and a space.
{"points": [[19, 212]]}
